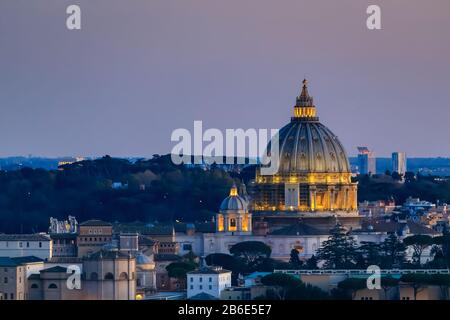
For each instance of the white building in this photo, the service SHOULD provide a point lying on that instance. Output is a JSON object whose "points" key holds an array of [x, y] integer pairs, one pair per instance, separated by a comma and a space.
{"points": [[22, 245], [209, 280], [399, 162]]}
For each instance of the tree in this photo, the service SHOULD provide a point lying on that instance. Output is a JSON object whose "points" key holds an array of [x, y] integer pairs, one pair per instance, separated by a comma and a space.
{"points": [[369, 254], [388, 283], [294, 259], [288, 287], [339, 251], [281, 282], [396, 176], [443, 281], [443, 242], [419, 243], [352, 285], [179, 269], [311, 263], [253, 252], [410, 177], [392, 252], [417, 281], [191, 257]]}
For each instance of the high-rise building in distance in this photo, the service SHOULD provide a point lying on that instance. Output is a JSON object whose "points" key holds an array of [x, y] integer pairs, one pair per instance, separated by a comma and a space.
{"points": [[399, 162], [366, 161]]}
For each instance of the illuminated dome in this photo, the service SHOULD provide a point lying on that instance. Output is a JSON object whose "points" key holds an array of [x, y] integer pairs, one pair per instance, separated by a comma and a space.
{"points": [[313, 174], [309, 146], [233, 202]]}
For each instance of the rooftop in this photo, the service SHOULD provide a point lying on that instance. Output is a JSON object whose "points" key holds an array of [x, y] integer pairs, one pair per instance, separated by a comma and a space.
{"points": [[56, 269], [210, 270], [95, 223], [166, 257], [7, 262], [27, 259], [108, 255], [203, 296], [24, 237]]}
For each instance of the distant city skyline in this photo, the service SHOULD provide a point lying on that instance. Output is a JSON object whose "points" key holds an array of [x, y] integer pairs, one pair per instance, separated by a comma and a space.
{"points": [[137, 71]]}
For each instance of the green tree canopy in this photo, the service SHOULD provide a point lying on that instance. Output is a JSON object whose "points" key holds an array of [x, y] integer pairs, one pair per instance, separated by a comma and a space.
{"points": [[419, 243], [352, 285], [339, 251], [251, 251], [179, 269]]}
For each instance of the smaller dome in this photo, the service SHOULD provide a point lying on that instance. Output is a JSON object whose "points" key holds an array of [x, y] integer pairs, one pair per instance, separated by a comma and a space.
{"points": [[233, 202]]}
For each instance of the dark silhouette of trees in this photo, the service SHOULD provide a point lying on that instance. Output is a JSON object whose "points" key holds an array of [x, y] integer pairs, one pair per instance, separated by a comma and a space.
{"points": [[339, 251]]}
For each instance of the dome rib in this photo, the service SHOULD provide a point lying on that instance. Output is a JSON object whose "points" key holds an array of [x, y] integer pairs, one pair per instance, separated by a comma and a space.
{"points": [[323, 151]]}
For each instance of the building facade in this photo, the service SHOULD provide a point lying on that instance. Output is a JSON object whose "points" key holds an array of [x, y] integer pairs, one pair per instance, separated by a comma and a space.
{"points": [[92, 236], [209, 280], [22, 245], [399, 163], [366, 161]]}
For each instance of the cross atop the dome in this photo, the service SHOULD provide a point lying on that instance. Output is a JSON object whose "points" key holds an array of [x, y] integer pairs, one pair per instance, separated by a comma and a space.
{"points": [[304, 95]]}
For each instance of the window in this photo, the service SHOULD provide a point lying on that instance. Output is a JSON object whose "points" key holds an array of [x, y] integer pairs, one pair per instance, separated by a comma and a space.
{"points": [[11, 296], [109, 276], [28, 244], [5, 280], [34, 286], [192, 279], [123, 276], [20, 244], [200, 279], [5, 295], [232, 222], [52, 286], [210, 279], [210, 287], [192, 287], [187, 247], [200, 287]]}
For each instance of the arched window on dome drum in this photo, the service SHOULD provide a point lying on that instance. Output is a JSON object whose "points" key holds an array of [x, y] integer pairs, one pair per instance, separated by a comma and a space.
{"points": [[123, 276], [52, 286], [232, 222], [109, 276]]}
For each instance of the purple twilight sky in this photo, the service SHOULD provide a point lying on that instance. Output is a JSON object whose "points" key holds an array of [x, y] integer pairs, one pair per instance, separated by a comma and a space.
{"points": [[139, 69]]}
